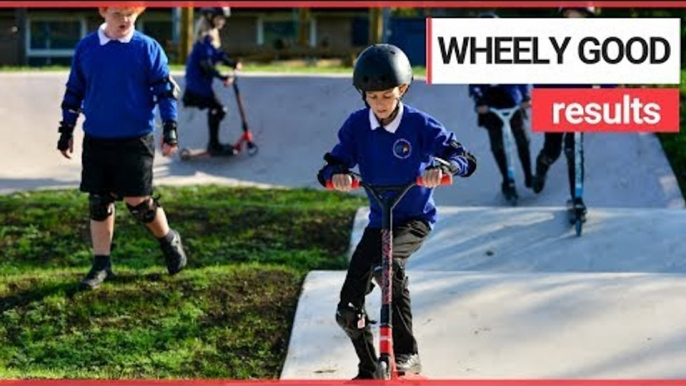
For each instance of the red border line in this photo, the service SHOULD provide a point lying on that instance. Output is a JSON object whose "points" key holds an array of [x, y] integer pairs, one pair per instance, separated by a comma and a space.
{"points": [[428, 50], [346, 4], [338, 382]]}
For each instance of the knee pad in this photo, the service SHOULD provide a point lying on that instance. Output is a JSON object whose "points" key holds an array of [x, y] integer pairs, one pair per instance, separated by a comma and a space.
{"points": [[146, 211], [100, 206], [217, 113], [352, 320]]}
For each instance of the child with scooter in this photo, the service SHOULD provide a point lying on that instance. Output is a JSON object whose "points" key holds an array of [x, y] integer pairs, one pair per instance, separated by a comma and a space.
{"points": [[201, 70], [392, 144], [501, 110]]}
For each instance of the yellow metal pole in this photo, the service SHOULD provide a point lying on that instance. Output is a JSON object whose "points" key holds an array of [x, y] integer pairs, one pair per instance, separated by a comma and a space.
{"points": [[304, 17], [186, 39], [375, 25]]}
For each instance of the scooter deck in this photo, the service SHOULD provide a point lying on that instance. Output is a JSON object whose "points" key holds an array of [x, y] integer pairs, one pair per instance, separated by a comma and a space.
{"points": [[190, 154], [406, 379]]}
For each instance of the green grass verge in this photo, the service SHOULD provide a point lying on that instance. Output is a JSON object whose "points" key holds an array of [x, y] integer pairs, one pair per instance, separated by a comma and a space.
{"points": [[220, 322], [300, 228], [228, 315]]}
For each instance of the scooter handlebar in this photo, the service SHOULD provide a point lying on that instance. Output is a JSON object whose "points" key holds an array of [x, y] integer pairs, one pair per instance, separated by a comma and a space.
{"points": [[355, 184], [447, 179]]}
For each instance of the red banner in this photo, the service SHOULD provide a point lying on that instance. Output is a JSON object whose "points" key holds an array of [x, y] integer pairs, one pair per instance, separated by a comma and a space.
{"points": [[614, 110]]}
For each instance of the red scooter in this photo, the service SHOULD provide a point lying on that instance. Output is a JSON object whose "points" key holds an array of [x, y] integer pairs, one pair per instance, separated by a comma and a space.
{"points": [[246, 138], [387, 365]]}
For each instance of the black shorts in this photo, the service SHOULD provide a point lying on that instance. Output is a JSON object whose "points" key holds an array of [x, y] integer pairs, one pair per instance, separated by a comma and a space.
{"points": [[122, 166], [190, 99]]}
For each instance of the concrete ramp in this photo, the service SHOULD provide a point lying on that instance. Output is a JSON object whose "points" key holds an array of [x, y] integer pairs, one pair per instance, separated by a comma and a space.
{"points": [[540, 239], [516, 325], [514, 293], [525, 318], [295, 119]]}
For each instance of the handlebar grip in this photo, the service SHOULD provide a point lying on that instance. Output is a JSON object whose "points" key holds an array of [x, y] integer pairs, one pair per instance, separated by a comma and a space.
{"points": [[447, 179], [355, 184]]}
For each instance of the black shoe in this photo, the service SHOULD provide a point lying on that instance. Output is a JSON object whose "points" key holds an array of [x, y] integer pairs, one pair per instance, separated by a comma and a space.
{"points": [[538, 183], [542, 166], [408, 363], [509, 190], [577, 207], [221, 150], [528, 181], [100, 271], [173, 252]]}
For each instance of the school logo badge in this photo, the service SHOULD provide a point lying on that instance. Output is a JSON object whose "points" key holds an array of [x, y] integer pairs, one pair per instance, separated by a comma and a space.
{"points": [[402, 148]]}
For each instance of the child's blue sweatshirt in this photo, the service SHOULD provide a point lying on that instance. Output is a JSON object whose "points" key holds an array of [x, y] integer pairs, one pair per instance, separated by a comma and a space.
{"points": [[390, 158], [117, 85]]}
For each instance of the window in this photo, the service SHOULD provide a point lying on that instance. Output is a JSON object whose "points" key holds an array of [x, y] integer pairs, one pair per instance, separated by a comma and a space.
{"points": [[46, 34], [278, 33], [52, 40], [360, 32]]}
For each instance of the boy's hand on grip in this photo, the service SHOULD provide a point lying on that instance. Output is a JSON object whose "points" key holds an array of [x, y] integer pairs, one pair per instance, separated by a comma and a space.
{"points": [[432, 177], [342, 182]]}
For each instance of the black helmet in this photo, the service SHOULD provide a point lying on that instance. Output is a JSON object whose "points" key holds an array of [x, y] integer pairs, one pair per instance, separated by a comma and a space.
{"points": [[588, 11], [488, 15], [381, 67], [211, 12]]}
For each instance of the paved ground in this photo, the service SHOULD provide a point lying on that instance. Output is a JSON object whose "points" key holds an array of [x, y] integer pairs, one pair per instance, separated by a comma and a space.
{"points": [[498, 292], [484, 325], [295, 120]]}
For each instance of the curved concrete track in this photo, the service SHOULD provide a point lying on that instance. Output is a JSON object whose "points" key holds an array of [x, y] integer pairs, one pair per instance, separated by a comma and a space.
{"points": [[295, 119], [498, 292]]}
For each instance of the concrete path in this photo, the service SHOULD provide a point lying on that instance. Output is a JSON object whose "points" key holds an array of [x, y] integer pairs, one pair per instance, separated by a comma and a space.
{"points": [[498, 292], [295, 119], [512, 326], [514, 293]]}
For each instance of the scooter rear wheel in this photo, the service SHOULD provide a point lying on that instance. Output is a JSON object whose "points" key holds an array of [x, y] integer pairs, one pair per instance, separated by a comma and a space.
{"points": [[384, 370], [578, 226]]}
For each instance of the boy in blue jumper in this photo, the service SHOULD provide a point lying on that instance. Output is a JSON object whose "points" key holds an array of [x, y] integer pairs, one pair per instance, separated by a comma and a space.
{"points": [[391, 143], [201, 71], [118, 76]]}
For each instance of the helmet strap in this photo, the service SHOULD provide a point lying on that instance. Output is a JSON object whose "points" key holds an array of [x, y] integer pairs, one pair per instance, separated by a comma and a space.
{"points": [[393, 114]]}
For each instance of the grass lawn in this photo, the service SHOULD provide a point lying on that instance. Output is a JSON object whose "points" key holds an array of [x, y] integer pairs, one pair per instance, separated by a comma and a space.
{"points": [[228, 315]]}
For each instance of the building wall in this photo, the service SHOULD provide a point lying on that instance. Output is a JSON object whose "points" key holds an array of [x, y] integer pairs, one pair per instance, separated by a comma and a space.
{"points": [[334, 32], [239, 34], [331, 33], [10, 39]]}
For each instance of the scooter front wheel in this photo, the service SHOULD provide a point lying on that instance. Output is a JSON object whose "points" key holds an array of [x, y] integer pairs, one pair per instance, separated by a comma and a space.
{"points": [[252, 149]]}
